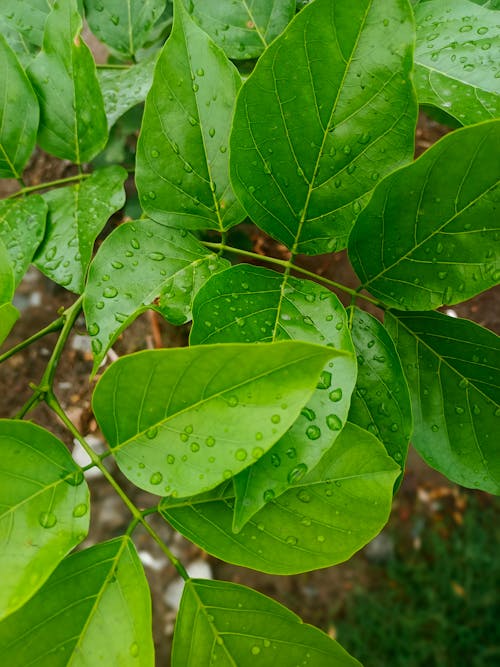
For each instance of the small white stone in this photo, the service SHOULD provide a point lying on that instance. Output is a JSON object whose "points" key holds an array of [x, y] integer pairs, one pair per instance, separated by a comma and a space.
{"points": [[451, 313], [81, 457], [198, 569], [148, 560]]}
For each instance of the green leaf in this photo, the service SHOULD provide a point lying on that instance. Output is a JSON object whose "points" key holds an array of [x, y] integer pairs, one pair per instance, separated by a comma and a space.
{"points": [[72, 119], [18, 114], [242, 29], [381, 402], [249, 303], [329, 515], [228, 624], [327, 111], [122, 89], [182, 172], [442, 245], [26, 17], [123, 25], [7, 282], [179, 421], [8, 317], [143, 266], [77, 213], [44, 510], [452, 367], [94, 610], [456, 59], [22, 225]]}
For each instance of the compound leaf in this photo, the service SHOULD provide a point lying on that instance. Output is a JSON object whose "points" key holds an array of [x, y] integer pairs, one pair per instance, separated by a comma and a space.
{"points": [[452, 367], [442, 245], [179, 421], [44, 510], [228, 624]]}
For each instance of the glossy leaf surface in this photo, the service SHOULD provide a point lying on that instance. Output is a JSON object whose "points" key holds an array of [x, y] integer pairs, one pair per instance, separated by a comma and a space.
{"points": [[18, 114], [6, 275], [243, 29], [181, 420], [26, 17], [72, 119], [94, 610], [22, 225], [328, 110], [139, 266], [456, 59], [76, 215], [8, 317], [452, 367], [182, 169], [442, 245], [228, 624], [123, 25], [249, 303], [44, 509], [326, 517]]}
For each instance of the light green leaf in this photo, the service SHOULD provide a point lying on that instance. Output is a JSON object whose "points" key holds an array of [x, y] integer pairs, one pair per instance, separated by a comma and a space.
{"points": [[329, 515], [77, 213], [243, 29], [456, 59], [452, 367], [8, 317], [26, 17], [442, 245], [327, 111], [123, 25], [22, 225], [179, 421], [94, 610], [249, 303], [381, 402], [122, 89], [72, 119], [18, 114], [182, 171], [7, 281], [143, 266], [44, 510], [227, 624]]}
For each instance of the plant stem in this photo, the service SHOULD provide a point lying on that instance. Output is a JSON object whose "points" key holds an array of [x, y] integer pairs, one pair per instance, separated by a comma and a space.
{"points": [[48, 184], [53, 326]]}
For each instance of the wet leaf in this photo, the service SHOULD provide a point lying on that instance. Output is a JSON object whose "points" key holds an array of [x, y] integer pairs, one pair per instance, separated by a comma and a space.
{"points": [[8, 317], [27, 18]]}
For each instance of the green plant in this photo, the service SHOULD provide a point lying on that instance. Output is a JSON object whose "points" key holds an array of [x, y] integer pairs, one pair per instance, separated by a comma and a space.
{"points": [[275, 440]]}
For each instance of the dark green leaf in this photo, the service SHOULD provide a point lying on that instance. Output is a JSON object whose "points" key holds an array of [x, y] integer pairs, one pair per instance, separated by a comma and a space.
{"points": [[26, 17], [456, 59], [8, 317], [329, 514], [72, 119], [139, 266], [181, 420], [77, 213], [441, 246], [18, 114], [94, 610], [244, 28], [227, 624], [22, 225], [182, 157], [328, 110], [249, 303], [44, 510], [452, 367]]}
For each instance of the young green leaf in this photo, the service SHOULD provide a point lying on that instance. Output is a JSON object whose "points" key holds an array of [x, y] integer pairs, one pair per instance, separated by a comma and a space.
{"points": [[139, 266], [7, 282], [452, 367], [72, 119], [249, 303], [328, 110], [123, 25], [442, 245], [227, 624], [8, 317], [44, 513], [26, 18], [182, 169], [381, 402], [19, 114], [94, 610], [326, 517], [22, 225], [77, 213], [243, 29], [179, 421], [456, 59]]}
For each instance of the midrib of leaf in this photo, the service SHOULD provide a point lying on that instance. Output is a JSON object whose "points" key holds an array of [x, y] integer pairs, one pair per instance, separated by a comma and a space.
{"points": [[4, 116], [256, 26]]}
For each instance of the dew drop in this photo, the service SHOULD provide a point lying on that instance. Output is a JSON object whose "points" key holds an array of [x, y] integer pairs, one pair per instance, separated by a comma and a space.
{"points": [[459, 410], [93, 329], [227, 474], [304, 496], [434, 428], [308, 414], [275, 419], [135, 244], [134, 650], [255, 650], [335, 395], [334, 423], [232, 401], [156, 478], [313, 432], [275, 460], [151, 433], [291, 540], [257, 452], [321, 538], [210, 441], [258, 435], [75, 479], [394, 427], [96, 346], [47, 519], [170, 459], [156, 256], [297, 473], [240, 454], [325, 380], [268, 496], [80, 510]]}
